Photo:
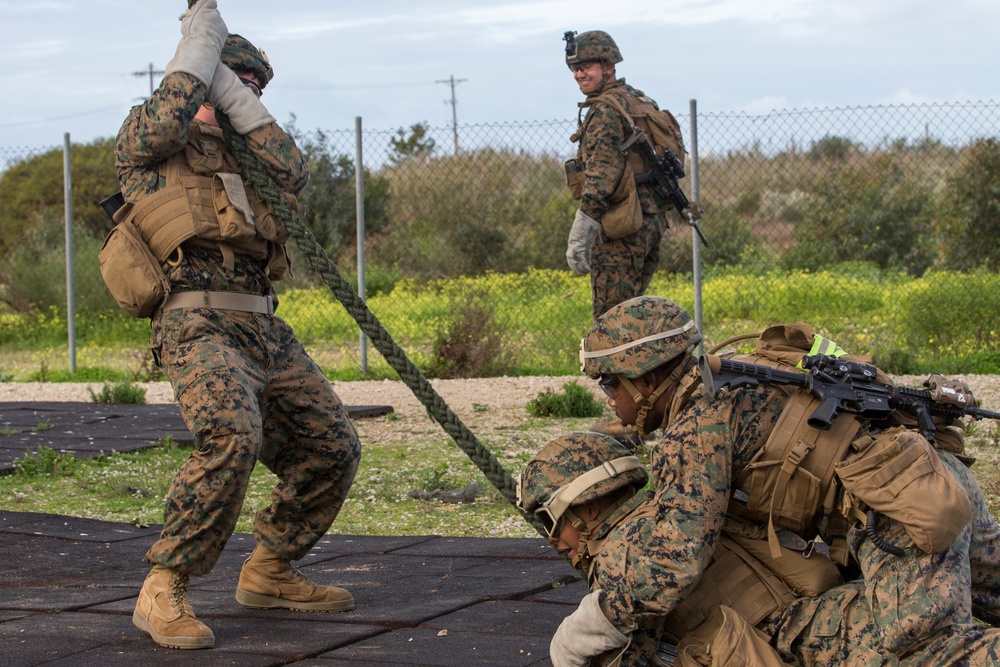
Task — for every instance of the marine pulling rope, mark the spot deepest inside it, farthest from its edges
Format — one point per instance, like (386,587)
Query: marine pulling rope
(408,372)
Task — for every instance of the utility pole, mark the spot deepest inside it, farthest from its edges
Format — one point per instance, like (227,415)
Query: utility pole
(451,80)
(151,72)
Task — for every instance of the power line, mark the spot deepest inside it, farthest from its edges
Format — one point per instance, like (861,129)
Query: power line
(151,72)
(454,114)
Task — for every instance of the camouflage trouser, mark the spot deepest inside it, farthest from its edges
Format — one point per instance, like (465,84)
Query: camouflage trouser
(915,609)
(248,391)
(621,269)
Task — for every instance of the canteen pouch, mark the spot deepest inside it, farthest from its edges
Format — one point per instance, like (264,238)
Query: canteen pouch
(898,473)
(131,272)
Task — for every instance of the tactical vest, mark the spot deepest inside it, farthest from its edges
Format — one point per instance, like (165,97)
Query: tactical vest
(206,203)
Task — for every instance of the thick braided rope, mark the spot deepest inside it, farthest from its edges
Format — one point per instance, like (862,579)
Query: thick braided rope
(320,262)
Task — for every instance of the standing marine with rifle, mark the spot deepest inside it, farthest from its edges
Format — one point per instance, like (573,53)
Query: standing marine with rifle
(776,478)
(196,249)
(625,175)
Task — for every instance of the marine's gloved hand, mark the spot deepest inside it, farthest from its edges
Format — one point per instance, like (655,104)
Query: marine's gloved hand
(585,633)
(233,98)
(581,236)
(203,32)
(693,212)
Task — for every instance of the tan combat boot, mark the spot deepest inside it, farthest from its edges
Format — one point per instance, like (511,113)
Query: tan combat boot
(163,611)
(268,581)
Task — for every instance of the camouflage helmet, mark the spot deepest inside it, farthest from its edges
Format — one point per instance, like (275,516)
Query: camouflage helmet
(637,336)
(239,55)
(590,46)
(574,469)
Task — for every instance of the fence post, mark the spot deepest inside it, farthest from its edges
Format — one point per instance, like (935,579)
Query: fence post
(359,198)
(695,241)
(68,208)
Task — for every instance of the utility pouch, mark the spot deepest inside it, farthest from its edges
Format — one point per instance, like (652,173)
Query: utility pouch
(236,219)
(624,214)
(574,177)
(898,473)
(807,572)
(131,272)
(726,640)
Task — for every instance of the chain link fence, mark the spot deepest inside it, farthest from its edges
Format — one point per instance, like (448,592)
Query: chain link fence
(876,224)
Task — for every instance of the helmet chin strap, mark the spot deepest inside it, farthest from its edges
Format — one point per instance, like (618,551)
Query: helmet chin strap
(582,559)
(644,403)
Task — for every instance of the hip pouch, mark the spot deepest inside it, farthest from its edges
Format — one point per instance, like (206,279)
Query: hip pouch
(898,473)
(131,272)
(624,214)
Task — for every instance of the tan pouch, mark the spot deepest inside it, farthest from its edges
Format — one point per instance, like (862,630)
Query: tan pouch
(808,575)
(624,214)
(236,219)
(131,272)
(898,473)
(726,639)
(574,177)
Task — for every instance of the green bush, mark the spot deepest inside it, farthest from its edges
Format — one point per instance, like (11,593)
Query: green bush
(574,401)
(873,213)
(120,392)
(970,210)
(34,188)
(47,461)
(470,344)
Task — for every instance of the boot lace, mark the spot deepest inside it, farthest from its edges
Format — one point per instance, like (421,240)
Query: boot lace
(178,594)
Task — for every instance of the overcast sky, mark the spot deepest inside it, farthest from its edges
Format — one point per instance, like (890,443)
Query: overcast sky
(67,65)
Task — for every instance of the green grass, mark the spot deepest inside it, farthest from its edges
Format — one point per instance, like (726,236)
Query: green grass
(131,488)
(942,322)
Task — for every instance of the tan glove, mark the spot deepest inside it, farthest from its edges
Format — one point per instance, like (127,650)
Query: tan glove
(581,236)
(585,633)
(203,32)
(233,98)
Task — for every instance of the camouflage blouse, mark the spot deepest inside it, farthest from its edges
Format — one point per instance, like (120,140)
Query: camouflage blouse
(604,132)
(647,566)
(158,128)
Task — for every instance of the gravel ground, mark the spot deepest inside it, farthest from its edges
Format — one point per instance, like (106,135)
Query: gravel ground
(490,407)
(499,394)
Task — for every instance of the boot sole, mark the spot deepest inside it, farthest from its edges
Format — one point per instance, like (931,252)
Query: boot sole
(139,621)
(258,601)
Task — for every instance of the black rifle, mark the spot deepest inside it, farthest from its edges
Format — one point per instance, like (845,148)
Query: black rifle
(841,386)
(664,172)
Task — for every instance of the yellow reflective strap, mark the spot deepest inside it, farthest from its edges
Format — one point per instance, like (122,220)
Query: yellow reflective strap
(823,345)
